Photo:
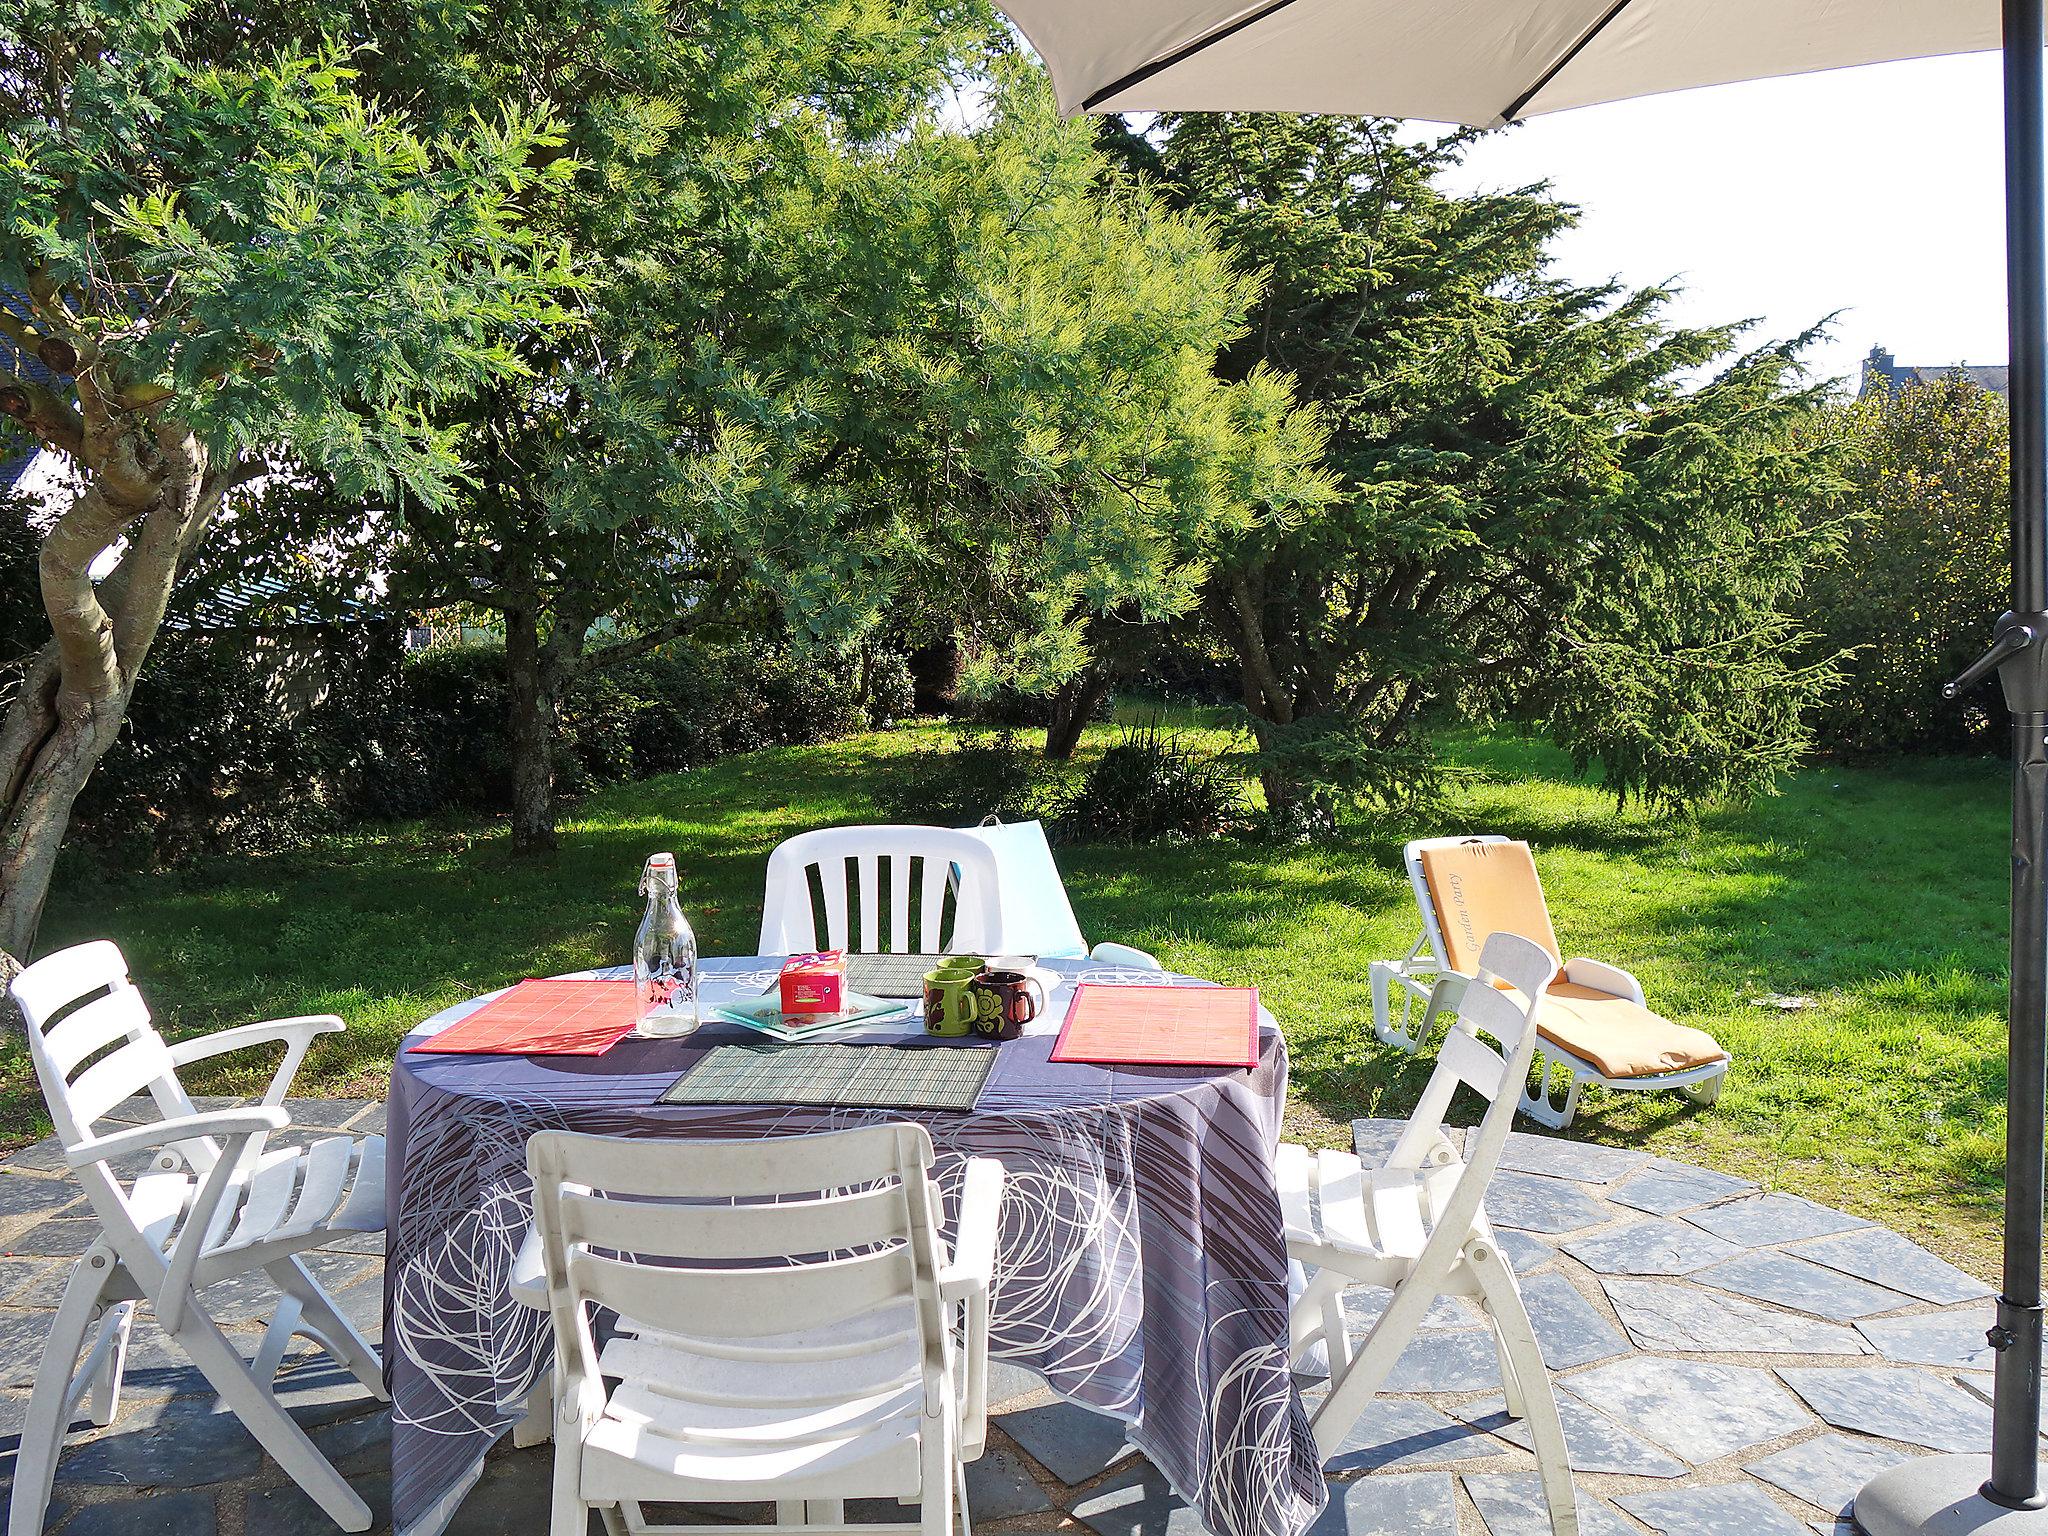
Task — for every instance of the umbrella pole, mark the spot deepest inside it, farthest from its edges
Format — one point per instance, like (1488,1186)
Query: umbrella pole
(1950,1495)
(2015,1445)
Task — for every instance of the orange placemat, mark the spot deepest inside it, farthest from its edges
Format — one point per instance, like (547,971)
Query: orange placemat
(1161,1026)
(544,1018)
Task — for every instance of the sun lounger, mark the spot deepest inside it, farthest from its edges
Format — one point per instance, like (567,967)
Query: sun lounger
(1594,1026)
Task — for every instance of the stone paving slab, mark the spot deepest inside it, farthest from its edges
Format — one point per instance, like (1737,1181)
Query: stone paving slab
(1594,1442)
(1512,1504)
(1660,1315)
(1656,1247)
(1955,1339)
(1695,1409)
(1885,1258)
(1829,1471)
(1665,1188)
(1792,1282)
(1727,1509)
(1676,1392)
(1565,1159)
(1914,1406)
(1755,1220)
(1534,1202)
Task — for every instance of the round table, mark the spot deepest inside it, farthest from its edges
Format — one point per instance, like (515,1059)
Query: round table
(1141,1268)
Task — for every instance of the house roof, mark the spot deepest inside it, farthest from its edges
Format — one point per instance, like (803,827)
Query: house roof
(1880,370)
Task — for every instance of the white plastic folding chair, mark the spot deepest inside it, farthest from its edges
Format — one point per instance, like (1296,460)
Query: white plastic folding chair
(1418,1226)
(213,1203)
(786,1326)
(882,890)
(1037,917)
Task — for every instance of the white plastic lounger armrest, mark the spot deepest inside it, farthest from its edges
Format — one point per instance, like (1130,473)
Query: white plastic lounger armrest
(296,1034)
(1123,954)
(529,1280)
(230,1124)
(1602,977)
(973,1264)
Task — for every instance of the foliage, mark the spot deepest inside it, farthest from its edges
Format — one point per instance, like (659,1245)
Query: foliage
(986,773)
(1912,595)
(1555,506)
(1151,785)
(1886,1098)
(246,743)
(223,249)
(849,362)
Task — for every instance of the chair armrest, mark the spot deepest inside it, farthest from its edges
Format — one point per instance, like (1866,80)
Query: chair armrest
(528,1281)
(232,1124)
(972,1268)
(1602,977)
(296,1034)
(1124,954)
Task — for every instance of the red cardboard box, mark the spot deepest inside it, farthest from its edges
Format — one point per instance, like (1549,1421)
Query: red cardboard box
(814,983)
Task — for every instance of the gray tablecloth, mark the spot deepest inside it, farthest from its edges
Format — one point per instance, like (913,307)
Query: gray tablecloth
(1140,1268)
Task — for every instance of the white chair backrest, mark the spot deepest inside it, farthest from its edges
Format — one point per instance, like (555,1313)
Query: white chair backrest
(1037,917)
(883,889)
(1411,856)
(1495,1072)
(91,1039)
(727,1243)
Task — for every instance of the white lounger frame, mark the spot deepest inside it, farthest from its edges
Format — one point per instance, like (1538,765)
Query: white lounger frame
(1428,986)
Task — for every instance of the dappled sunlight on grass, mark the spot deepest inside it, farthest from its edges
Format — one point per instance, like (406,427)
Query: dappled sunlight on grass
(1877,893)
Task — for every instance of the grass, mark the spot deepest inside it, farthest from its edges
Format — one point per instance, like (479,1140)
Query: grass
(1878,892)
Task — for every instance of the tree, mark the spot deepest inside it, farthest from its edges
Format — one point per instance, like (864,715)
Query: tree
(1911,596)
(225,250)
(1547,512)
(848,364)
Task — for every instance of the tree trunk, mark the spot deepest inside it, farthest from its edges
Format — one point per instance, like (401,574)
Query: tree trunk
(149,481)
(1073,706)
(532,733)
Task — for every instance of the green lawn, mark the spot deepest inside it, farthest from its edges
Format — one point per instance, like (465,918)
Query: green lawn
(1880,893)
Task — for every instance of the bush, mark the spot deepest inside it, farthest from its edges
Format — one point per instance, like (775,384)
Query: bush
(985,774)
(1150,785)
(227,752)
(1913,594)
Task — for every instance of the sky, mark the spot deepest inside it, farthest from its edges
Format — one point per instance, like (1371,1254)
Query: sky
(1876,192)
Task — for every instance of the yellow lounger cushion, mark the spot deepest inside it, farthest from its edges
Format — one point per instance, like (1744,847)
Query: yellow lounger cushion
(1620,1038)
(1480,889)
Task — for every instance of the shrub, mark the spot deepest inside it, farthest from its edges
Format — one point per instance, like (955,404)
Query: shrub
(226,752)
(984,774)
(1151,785)
(1915,589)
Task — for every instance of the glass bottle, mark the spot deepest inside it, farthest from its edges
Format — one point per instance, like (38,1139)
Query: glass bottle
(664,956)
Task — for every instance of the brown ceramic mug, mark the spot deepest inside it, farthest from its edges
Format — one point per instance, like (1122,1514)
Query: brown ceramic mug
(1017,998)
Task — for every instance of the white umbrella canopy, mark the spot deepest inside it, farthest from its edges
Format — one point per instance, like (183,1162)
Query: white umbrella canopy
(1486,62)
(1481,62)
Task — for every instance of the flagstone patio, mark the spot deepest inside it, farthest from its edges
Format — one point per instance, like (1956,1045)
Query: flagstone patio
(1729,1362)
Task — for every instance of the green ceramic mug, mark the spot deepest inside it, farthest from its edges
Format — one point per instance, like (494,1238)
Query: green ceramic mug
(952,1003)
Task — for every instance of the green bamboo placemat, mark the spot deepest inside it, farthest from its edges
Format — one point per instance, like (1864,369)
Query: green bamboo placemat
(871,1076)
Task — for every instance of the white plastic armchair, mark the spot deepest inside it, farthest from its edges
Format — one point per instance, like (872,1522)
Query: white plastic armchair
(213,1203)
(1417,1226)
(787,1318)
(882,889)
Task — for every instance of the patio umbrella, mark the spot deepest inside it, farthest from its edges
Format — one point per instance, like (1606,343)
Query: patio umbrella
(1486,62)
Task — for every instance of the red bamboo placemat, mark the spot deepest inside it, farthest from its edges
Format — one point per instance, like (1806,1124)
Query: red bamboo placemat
(544,1018)
(1161,1026)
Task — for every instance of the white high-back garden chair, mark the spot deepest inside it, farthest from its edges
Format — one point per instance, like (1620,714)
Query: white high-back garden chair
(1037,917)
(884,890)
(1595,1025)
(1418,1227)
(213,1203)
(787,1317)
